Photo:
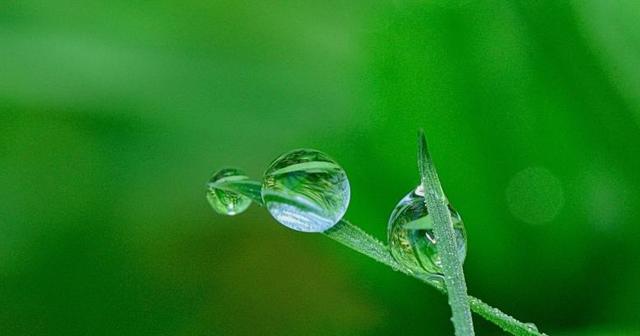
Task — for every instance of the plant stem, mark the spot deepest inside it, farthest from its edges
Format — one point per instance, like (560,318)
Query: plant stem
(446,244)
(355,238)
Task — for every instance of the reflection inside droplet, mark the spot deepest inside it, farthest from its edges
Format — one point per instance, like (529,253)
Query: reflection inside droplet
(306,190)
(222,200)
(411,238)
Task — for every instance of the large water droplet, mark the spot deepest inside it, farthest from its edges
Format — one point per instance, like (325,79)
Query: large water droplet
(411,238)
(222,200)
(306,190)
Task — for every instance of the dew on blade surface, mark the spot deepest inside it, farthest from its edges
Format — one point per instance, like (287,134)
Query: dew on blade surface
(306,190)
(222,200)
(411,238)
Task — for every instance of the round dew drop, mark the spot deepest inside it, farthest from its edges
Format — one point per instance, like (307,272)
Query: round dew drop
(411,238)
(223,200)
(305,190)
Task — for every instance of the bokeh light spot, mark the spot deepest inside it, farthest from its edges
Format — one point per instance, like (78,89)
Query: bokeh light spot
(535,195)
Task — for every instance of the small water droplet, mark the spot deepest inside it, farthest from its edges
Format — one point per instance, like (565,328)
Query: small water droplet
(223,201)
(306,190)
(411,238)
(531,327)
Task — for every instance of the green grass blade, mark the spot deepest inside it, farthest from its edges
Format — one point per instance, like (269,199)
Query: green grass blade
(445,241)
(355,238)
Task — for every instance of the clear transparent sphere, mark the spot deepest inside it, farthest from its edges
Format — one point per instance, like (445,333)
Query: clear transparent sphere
(223,201)
(411,238)
(306,190)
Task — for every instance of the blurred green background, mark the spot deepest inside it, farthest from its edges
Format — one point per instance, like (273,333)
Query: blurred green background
(114,114)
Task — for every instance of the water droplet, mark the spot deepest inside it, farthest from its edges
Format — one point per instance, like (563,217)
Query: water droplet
(222,200)
(531,327)
(306,190)
(411,238)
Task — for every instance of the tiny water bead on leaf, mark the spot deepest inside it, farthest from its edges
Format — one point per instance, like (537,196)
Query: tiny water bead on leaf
(411,238)
(222,199)
(306,190)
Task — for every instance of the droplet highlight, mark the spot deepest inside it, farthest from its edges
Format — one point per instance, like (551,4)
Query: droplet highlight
(531,327)
(411,238)
(223,200)
(306,190)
